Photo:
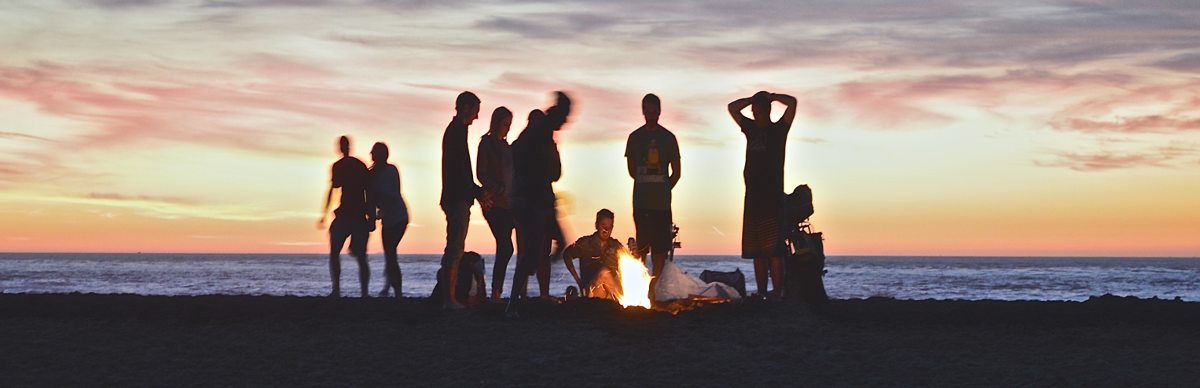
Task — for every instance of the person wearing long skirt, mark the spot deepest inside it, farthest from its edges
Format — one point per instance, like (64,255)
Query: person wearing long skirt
(763,213)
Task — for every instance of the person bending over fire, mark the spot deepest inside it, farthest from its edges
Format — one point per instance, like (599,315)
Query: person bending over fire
(598,260)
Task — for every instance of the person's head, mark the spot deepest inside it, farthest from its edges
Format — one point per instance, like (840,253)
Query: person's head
(651,108)
(344,145)
(467,106)
(379,153)
(536,116)
(604,223)
(501,122)
(760,106)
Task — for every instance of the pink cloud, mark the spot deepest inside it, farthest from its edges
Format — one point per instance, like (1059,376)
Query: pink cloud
(1176,107)
(1138,124)
(1110,160)
(919,102)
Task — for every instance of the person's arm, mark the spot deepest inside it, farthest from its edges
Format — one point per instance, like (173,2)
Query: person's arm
(569,256)
(736,107)
(630,158)
(484,164)
(675,172)
(484,161)
(325,209)
(790,113)
(555,163)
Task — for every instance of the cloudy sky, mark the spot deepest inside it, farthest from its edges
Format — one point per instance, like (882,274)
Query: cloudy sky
(924,128)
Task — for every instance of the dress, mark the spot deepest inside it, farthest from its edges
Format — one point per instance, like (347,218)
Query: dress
(763,214)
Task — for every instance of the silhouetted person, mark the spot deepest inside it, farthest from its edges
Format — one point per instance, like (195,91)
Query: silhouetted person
(763,215)
(353,219)
(536,166)
(553,230)
(649,152)
(458,190)
(599,259)
(494,166)
(392,213)
(550,251)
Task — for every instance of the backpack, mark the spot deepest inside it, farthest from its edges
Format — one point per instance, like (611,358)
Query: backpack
(471,289)
(734,279)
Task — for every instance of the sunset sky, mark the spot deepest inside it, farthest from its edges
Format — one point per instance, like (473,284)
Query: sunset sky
(924,127)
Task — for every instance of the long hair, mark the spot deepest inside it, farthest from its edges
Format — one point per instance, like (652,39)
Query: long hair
(498,115)
(380,151)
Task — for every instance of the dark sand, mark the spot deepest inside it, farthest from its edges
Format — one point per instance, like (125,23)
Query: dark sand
(265,341)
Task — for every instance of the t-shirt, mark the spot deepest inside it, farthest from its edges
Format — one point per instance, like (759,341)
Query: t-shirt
(458,181)
(594,254)
(652,152)
(766,148)
(350,174)
(384,194)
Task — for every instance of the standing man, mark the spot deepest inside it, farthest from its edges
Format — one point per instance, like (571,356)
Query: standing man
(536,166)
(458,191)
(353,218)
(651,149)
(763,215)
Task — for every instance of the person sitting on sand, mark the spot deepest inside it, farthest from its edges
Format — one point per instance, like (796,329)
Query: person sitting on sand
(598,259)
(354,218)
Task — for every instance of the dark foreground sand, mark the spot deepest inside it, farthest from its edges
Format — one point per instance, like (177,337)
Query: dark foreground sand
(264,341)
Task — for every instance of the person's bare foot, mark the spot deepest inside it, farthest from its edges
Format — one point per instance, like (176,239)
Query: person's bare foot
(335,294)
(511,310)
(384,293)
(453,305)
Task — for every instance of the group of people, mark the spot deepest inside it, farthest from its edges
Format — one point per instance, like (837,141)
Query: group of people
(516,193)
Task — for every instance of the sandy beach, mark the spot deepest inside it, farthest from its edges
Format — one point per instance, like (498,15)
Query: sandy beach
(267,341)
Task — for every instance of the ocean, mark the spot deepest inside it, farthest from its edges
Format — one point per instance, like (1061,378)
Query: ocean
(967,278)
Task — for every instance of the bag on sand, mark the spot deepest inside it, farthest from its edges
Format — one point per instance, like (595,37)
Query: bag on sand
(734,279)
(471,288)
(804,270)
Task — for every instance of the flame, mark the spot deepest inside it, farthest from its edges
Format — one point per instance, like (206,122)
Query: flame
(635,281)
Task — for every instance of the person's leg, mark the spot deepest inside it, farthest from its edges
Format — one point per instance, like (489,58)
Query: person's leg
(391,239)
(777,277)
(530,232)
(543,268)
(500,221)
(641,228)
(358,249)
(458,218)
(657,226)
(338,232)
(761,275)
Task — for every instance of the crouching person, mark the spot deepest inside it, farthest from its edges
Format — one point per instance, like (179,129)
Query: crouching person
(598,260)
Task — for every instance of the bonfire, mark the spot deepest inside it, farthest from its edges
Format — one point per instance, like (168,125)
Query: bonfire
(635,281)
